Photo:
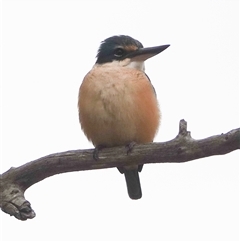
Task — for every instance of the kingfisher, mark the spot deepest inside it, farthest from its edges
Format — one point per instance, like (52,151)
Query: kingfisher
(117,103)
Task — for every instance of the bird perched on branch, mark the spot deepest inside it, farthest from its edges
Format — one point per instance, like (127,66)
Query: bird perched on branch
(117,103)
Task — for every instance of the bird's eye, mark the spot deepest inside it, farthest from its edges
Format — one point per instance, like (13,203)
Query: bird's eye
(118,52)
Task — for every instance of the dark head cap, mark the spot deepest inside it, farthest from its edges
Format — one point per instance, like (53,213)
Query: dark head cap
(116,48)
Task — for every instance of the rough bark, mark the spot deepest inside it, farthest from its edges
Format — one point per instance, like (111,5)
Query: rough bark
(183,148)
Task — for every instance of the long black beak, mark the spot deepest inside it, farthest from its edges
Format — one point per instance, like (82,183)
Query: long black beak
(146,53)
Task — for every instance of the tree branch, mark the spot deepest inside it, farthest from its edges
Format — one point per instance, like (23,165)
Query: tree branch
(183,148)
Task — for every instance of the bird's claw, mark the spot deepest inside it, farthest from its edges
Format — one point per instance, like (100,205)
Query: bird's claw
(130,146)
(96,152)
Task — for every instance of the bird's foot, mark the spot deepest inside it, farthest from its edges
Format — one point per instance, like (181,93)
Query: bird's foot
(130,146)
(96,152)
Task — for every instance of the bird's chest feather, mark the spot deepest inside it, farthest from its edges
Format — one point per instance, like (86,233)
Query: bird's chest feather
(114,91)
(117,102)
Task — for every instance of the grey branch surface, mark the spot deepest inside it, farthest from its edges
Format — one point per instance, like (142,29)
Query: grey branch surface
(183,148)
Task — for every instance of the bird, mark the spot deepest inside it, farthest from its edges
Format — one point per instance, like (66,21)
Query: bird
(117,103)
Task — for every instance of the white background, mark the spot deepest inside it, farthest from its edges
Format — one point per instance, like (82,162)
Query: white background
(49,46)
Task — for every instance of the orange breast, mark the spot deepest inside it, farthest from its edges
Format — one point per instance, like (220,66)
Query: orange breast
(117,105)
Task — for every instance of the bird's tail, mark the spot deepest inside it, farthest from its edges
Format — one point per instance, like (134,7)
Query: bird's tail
(133,183)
